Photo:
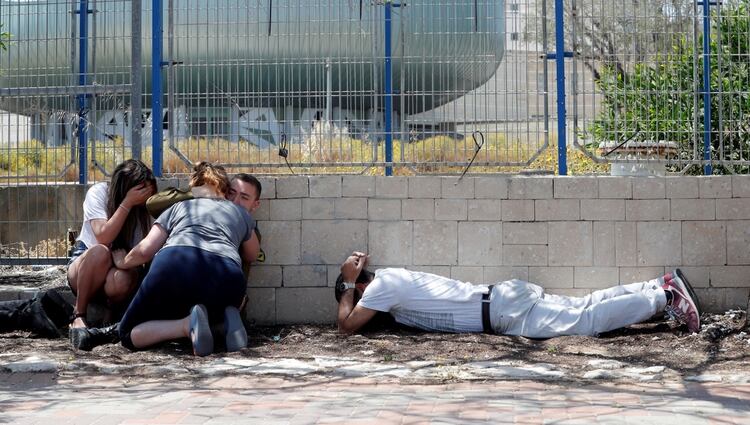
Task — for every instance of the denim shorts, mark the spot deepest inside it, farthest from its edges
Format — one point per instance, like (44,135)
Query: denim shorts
(78,249)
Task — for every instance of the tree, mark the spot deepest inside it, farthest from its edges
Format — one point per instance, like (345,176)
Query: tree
(662,99)
(613,34)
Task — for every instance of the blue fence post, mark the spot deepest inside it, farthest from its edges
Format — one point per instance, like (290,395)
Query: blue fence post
(388,91)
(157,127)
(82,99)
(562,148)
(707,168)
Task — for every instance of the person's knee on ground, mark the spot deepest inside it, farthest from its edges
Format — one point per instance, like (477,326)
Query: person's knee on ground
(86,276)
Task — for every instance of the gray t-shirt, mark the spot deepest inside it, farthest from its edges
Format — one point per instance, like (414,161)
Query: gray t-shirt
(214,225)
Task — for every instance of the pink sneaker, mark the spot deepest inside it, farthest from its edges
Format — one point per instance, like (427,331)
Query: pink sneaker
(683,307)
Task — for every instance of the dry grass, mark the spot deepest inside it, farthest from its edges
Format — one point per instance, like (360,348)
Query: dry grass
(319,154)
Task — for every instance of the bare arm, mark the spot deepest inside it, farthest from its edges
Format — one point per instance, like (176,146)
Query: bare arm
(250,248)
(144,251)
(106,231)
(350,317)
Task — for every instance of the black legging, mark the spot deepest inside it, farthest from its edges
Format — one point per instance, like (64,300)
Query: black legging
(179,278)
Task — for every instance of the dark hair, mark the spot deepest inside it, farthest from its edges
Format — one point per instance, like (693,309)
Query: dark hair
(365,276)
(205,173)
(128,174)
(250,179)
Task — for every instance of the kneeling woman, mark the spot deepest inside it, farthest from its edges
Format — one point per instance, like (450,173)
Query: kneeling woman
(196,273)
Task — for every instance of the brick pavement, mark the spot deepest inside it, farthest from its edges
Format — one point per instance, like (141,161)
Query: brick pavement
(46,399)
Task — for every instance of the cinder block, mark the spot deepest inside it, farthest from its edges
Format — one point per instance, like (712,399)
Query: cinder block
(262,276)
(390,242)
(451,209)
(571,243)
(453,188)
(501,274)
(292,187)
(530,188)
(596,277)
(649,188)
(305,305)
(261,306)
(281,242)
(552,277)
(733,209)
(741,186)
(639,274)
(267,187)
(730,276)
(557,209)
(682,187)
(615,187)
(384,209)
(418,209)
(485,210)
(286,209)
(658,243)
(335,270)
(330,241)
(603,209)
(494,187)
(693,209)
(719,300)
(604,243)
(425,187)
(576,187)
(358,186)
(738,241)
(647,210)
(525,233)
(518,210)
(325,186)
(391,187)
(435,243)
(697,276)
(625,244)
(525,255)
(350,208)
(313,275)
(479,244)
(704,243)
(473,275)
(715,186)
(263,212)
(318,208)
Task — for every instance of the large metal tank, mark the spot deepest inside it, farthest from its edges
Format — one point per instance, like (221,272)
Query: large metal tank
(264,53)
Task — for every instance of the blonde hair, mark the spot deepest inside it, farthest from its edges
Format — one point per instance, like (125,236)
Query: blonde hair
(205,173)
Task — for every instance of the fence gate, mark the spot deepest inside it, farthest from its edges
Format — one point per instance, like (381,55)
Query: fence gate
(66,117)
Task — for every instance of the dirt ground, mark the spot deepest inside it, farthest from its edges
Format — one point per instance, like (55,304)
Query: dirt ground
(722,346)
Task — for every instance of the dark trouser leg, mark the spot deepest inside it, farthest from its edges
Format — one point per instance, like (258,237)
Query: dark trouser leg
(27,315)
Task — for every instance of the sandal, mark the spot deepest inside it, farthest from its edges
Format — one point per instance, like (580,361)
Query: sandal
(200,331)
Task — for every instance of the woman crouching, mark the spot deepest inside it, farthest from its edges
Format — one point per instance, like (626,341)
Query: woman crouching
(197,248)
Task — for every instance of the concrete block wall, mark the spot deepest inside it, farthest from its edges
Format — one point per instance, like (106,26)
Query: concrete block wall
(571,235)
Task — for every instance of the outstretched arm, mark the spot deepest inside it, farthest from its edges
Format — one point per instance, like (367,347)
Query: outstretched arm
(144,251)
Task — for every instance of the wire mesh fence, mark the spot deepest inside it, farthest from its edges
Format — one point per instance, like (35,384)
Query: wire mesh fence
(345,86)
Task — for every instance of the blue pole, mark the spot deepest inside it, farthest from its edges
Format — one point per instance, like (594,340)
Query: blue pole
(157,127)
(562,153)
(388,91)
(707,168)
(81,103)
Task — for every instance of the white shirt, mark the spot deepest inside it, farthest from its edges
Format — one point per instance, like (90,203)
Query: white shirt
(426,301)
(94,207)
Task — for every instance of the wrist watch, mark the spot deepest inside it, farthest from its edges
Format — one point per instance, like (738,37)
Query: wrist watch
(343,286)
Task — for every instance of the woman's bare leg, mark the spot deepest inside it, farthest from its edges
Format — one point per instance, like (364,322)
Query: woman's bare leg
(153,332)
(87,276)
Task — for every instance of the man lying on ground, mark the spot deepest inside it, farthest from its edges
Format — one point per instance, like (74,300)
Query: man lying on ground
(514,307)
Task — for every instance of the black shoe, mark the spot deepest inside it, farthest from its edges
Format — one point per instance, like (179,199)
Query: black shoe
(86,339)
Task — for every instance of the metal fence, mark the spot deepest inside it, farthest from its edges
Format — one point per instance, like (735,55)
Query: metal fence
(378,86)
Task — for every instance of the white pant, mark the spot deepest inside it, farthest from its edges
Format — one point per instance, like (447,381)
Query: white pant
(522,308)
